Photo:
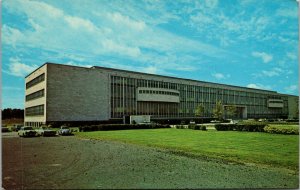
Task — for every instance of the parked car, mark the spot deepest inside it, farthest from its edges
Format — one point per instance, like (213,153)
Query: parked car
(64,130)
(45,132)
(16,127)
(5,129)
(27,131)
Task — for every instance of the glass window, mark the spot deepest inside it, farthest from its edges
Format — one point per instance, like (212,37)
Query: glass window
(35,81)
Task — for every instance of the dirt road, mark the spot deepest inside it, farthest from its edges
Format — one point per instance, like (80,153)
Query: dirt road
(72,163)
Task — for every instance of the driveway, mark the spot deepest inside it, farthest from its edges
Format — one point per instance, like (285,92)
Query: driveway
(73,163)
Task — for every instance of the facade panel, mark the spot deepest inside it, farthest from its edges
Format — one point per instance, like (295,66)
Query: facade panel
(77,94)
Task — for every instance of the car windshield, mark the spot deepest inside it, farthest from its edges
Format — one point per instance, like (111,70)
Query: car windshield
(28,128)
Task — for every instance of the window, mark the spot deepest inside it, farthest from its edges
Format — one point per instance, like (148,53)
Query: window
(35,110)
(35,95)
(35,81)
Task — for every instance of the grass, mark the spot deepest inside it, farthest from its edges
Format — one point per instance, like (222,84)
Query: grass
(284,126)
(243,147)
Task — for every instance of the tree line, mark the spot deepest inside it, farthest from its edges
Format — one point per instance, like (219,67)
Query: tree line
(9,113)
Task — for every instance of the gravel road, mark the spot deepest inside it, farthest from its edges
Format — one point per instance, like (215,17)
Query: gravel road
(73,163)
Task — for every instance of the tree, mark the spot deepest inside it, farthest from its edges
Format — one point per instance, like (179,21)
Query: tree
(9,113)
(199,111)
(218,111)
(231,111)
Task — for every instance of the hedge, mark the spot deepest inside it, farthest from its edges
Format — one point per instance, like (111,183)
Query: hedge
(195,127)
(108,127)
(280,130)
(250,127)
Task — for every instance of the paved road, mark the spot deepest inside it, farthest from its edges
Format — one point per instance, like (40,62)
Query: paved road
(72,163)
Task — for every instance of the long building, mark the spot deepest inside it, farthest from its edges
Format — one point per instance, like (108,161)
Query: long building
(64,93)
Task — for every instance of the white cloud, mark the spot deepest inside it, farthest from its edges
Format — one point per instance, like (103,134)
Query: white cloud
(291,55)
(220,76)
(211,3)
(19,69)
(79,23)
(77,64)
(273,72)
(285,12)
(11,35)
(259,86)
(291,88)
(117,18)
(150,69)
(264,56)
(109,33)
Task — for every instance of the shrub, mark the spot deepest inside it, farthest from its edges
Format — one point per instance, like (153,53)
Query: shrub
(247,126)
(191,126)
(197,127)
(221,127)
(180,127)
(203,128)
(282,130)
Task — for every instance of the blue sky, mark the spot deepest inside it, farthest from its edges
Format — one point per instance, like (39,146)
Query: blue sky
(250,43)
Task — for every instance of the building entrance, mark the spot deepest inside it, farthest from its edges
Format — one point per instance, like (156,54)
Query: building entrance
(239,112)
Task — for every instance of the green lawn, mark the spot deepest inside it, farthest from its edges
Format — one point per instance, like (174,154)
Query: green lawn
(284,126)
(243,147)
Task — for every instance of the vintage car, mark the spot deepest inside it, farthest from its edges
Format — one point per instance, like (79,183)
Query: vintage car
(45,132)
(64,130)
(4,129)
(27,132)
(16,127)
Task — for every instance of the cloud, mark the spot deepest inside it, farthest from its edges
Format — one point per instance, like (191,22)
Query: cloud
(120,19)
(291,55)
(273,72)
(211,3)
(291,88)
(108,33)
(77,64)
(220,76)
(259,86)
(285,12)
(150,69)
(266,58)
(19,69)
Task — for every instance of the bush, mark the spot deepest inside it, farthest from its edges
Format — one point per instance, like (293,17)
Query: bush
(282,130)
(108,127)
(180,127)
(196,127)
(191,126)
(247,126)
(203,128)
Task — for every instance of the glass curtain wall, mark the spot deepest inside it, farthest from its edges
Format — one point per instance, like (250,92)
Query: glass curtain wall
(124,100)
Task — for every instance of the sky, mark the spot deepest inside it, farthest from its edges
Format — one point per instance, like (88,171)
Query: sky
(248,43)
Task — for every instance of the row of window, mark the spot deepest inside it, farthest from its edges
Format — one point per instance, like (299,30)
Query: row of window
(35,95)
(34,110)
(35,81)
(123,101)
(275,101)
(158,92)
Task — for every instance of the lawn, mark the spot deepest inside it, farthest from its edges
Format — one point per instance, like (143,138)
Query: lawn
(244,147)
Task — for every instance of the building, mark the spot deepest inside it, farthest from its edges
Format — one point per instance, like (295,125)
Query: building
(63,93)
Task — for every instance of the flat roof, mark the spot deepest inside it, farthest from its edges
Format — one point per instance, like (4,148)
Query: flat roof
(136,72)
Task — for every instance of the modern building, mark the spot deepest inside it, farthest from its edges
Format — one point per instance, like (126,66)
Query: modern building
(63,93)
